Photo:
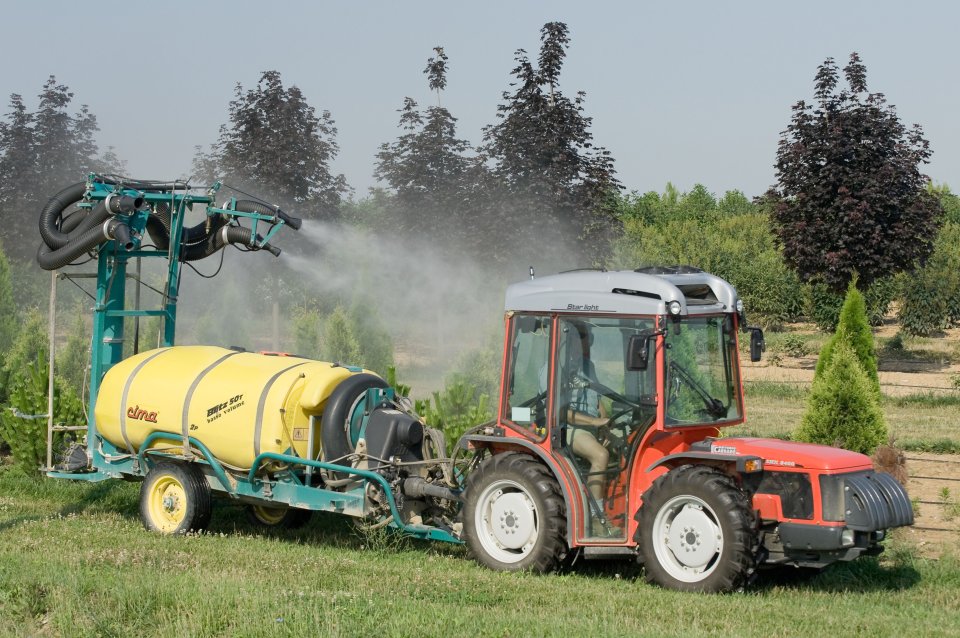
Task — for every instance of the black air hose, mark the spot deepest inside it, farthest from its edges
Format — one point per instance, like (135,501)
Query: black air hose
(142,185)
(158,227)
(52,214)
(217,240)
(249,206)
(50,259)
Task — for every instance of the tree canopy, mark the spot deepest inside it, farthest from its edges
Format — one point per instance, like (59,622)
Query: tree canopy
(276,140)
(428,167)
(850,195)
(41,152)
(555,180)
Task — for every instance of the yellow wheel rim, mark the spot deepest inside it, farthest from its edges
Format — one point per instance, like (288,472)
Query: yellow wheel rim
(269,515)
(168,504)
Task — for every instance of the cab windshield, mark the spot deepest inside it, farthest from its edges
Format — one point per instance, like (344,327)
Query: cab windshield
(702,372)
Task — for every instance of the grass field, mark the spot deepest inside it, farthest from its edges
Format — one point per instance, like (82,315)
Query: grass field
(75,561)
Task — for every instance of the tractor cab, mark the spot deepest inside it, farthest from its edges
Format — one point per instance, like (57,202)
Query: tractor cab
(600,364)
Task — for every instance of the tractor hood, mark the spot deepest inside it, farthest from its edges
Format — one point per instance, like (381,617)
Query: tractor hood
(787,454)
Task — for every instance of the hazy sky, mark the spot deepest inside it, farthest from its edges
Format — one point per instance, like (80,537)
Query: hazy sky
(682,91)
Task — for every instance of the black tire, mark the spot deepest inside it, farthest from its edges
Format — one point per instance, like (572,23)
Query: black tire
(273,517)
(175,499)
(531,538)
(335,428)
(718,539)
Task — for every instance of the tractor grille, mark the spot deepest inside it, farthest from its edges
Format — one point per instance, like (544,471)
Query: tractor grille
(867,501)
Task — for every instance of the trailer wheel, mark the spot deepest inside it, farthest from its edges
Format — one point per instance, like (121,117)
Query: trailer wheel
(514,516)
(287,517)
(175,499)
(335,429)
(697,531)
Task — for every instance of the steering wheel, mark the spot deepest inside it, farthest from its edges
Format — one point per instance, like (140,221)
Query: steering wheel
(536,399)
(603,390)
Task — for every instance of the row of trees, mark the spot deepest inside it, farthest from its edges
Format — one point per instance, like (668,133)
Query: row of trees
(850,202)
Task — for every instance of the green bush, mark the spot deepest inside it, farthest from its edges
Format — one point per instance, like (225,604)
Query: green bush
(306,332)
(924,309)
(843,408)
(8,310)
(792,345)
(376,345)
(931,296)
(738,248)
(339,340)
(854,330)
(22,422)
(72,360)
(822,306)
(29,346)
(456,409)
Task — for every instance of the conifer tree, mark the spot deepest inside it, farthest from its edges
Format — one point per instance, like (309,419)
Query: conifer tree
(853,329)
(843,409)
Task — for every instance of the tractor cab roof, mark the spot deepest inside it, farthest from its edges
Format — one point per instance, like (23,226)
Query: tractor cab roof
(645,291)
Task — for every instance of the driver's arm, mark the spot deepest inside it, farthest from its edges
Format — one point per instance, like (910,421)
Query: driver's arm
(581,419)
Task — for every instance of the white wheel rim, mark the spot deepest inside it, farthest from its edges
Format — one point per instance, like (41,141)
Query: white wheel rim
(687,539)
(507,521)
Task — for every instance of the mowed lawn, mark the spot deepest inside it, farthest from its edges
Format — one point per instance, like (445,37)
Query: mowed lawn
(75,561)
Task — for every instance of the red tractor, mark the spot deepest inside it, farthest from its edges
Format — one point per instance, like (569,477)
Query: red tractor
(607,443)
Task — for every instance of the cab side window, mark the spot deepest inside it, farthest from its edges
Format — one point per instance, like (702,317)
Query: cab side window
(526,403)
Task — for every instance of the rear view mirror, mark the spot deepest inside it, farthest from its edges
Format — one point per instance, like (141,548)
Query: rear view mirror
(757,343)
(638,350)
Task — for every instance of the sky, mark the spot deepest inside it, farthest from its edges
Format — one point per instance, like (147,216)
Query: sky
(682,92)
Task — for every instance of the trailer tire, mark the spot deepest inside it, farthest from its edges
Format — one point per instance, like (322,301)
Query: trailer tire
(514,515)
(272,517)
(697,531)
(335,428)
(175,499)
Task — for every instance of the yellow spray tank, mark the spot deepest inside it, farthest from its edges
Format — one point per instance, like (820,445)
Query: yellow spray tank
(238,404)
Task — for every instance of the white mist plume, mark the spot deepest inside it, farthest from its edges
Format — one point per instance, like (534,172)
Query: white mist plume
(435,305)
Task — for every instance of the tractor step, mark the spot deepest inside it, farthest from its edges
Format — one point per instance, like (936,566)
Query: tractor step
(602,553)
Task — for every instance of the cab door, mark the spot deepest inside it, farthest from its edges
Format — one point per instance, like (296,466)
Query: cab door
(601,409)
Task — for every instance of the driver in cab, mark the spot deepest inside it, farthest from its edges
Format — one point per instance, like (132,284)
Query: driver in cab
(587,413)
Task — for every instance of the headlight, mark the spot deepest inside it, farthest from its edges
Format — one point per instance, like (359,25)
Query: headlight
(739,306)
(846,537)
(674,308)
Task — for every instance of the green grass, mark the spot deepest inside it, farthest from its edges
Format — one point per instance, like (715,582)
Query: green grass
(75,561)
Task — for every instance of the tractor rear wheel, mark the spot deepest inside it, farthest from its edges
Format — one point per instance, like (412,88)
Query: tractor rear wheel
(514,515)
(288,517)
(697,531)
(175,499)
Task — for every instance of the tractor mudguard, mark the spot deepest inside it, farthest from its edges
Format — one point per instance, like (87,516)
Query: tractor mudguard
(739,460)
(500,441)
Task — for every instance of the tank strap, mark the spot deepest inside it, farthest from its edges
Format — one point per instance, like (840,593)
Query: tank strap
(126,392)
(263,402)
(185,420)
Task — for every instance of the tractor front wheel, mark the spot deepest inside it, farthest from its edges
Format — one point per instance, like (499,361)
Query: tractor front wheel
(175,499)
(514,516)
(697,531)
